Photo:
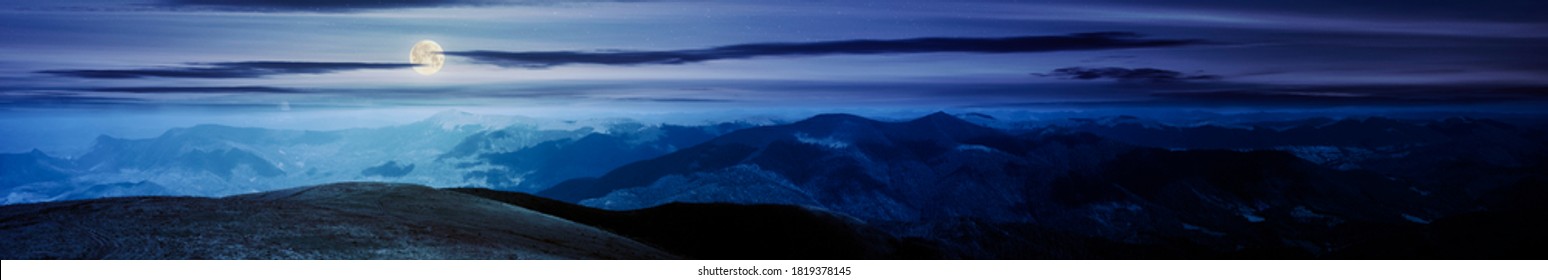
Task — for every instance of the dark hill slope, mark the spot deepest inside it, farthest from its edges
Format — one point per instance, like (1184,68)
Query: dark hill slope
(334,221)
(732,231)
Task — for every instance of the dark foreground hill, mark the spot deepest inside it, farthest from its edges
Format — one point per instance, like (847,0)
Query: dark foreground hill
(733,231)
(335,221)
(403,221)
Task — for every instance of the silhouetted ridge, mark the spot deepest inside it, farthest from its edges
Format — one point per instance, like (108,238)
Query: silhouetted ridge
(388,169)
(31,167)
(732,231)
(696,158)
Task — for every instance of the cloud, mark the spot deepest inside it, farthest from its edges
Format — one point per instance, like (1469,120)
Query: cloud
(318,5)
(673,100)
(354,5)
(227,70)
(1024,44)
(60,99)
(1149,75)
(1490,10)
(232,89)
(1362,95)
(1496,97)
(1292,99)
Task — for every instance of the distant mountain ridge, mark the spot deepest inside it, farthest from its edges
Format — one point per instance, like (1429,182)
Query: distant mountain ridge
(937,186)
(930,177)
(450,149)
(535,161)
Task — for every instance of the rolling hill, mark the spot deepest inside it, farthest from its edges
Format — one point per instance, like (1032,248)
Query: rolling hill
(334,221)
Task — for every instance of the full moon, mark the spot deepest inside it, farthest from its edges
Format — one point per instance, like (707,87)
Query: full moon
(427,54)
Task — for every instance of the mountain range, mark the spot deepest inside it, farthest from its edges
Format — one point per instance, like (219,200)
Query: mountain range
(940,178)
(448,149)
(938,186)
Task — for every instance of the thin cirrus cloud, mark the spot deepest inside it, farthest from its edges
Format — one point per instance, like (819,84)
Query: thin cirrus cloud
(1360,95)
(541,60)
(62,100)
(230,89)
(1023,44)
(316,5)
(352,5)
(1148,75)
(1268,99)
(1477,10)
(674,100)
(227,70)
(1311,97)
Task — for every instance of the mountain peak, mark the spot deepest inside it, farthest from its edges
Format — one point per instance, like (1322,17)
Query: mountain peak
(833,118)
(938,116)
(943,119)
(104,139)
(946,125)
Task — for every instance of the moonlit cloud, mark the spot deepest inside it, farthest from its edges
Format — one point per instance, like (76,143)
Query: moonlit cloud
(227,70)
(347,5)
(1023,44)
(760,54)
(1149,75)
(230,89)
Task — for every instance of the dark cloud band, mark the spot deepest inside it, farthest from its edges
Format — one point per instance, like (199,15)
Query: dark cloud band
(1368,95)
(1025,44)
(674,100)
(345,6)
(1149,75)
(233,89)
(316,5)
(227,70)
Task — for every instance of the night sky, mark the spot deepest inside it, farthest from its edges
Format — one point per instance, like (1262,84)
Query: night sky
(135,67)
